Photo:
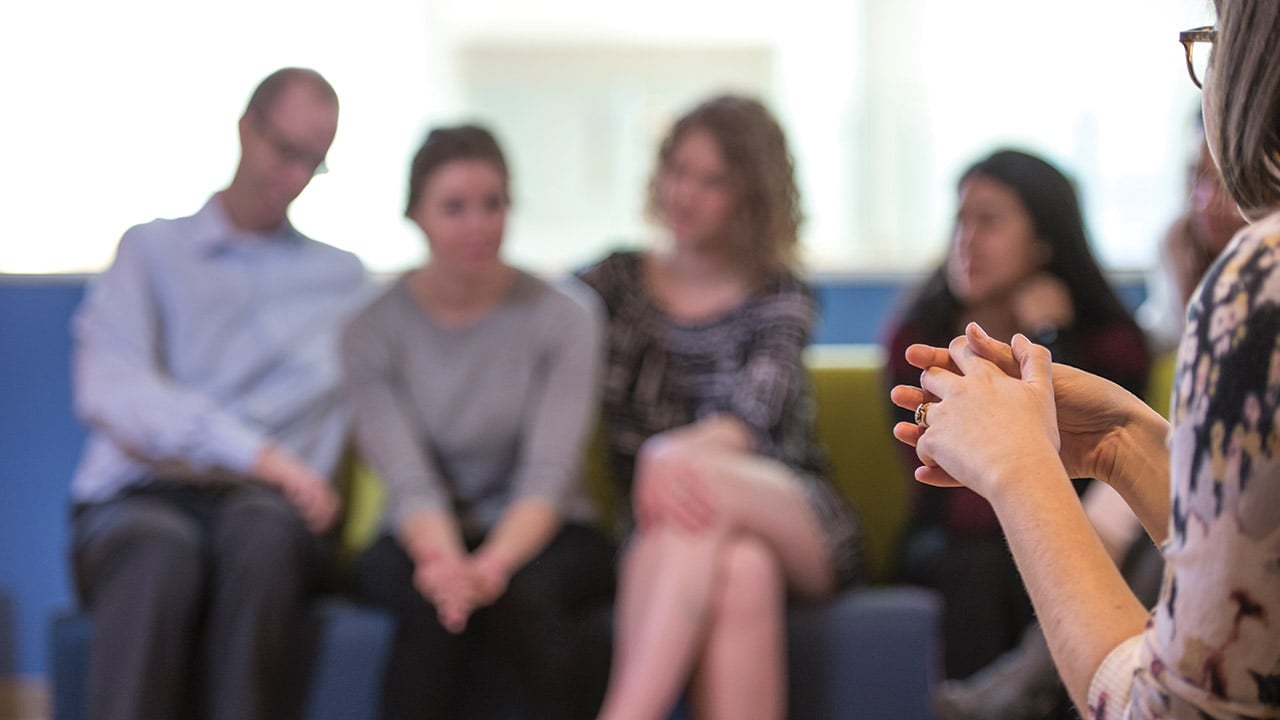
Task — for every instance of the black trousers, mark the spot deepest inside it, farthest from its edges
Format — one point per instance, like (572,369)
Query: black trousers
(196,595)
(542,648)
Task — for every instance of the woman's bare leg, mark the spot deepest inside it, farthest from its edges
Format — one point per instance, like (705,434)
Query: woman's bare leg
(672,576)
(742,670)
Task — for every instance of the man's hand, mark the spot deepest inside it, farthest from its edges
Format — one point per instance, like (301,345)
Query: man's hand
(307,490)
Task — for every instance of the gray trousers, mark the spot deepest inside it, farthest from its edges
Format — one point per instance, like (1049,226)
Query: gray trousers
(196,593)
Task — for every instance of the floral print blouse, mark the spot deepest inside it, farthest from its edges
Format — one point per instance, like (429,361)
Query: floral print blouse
(1211,648)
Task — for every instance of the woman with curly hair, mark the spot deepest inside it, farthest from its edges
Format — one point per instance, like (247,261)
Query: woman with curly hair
(709,420)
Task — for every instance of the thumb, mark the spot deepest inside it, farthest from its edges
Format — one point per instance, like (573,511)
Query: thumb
(1035,361)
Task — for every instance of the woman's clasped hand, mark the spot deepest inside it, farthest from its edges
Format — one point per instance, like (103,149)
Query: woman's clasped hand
(973,380)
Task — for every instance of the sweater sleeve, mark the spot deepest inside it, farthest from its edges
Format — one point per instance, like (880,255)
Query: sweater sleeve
(558,419)
(384,419)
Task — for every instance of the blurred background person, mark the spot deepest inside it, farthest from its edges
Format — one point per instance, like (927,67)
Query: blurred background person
(709,420)
(1195,239)
(206,368)
(475,389)
(1019,262)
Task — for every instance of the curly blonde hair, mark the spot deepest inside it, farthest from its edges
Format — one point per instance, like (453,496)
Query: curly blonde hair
(766,220)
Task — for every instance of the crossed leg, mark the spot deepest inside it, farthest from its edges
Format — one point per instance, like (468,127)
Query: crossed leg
(708,605)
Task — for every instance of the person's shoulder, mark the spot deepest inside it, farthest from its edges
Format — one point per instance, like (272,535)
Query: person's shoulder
(162,231)
(616,278)
(331,255)
(566,297)
(786,287)
(385,305)
(618,265)
(790,282)
(1253,254)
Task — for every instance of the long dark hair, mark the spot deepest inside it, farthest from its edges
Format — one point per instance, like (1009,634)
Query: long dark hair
(1049,197)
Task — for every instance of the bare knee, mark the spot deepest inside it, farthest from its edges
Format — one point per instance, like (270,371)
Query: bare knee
(751,582)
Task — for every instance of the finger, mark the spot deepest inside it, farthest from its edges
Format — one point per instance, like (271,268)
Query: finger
(938,383)
(924,454)
(1035,361)
(423,583)
(909,397)
(935,476)
(992,350)
(646,515)
(927,356)
(452,619)
(694,511)
(908,433)
(962,355)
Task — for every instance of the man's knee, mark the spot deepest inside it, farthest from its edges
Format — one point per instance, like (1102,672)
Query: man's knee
(143,547)
(259,530)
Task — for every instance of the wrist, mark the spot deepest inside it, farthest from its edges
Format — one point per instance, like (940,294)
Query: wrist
(426,539)
(1029,472)
(492,563)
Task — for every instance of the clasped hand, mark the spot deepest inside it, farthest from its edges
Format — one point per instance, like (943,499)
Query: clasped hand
(670,483)
(458,584)
(308,491)
(992,416)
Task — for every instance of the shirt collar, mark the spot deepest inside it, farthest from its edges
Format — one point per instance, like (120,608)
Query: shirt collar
(213,232)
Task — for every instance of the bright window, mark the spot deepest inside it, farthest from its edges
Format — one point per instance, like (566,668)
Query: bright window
(122,111)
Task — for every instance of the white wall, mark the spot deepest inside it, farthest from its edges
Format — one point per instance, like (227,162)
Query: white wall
(117,112)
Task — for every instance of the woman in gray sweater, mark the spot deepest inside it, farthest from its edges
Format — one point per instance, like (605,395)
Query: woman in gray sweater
(474,387)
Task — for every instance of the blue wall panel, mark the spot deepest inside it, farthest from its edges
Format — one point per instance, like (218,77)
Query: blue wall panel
(39,444)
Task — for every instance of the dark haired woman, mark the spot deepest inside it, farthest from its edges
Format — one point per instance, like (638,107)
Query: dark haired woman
(1019,262)
(474,385)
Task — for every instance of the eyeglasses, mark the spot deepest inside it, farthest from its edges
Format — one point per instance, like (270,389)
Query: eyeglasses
(1198,43)
(288,151)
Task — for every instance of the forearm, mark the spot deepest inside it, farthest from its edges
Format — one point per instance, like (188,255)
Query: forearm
(157,420)
(430,533)
(1081,601)
(1139,471)
(523,531)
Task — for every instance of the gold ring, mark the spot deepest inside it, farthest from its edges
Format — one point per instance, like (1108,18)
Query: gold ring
(922,412)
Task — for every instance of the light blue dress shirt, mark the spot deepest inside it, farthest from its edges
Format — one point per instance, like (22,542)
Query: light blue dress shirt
(202,343)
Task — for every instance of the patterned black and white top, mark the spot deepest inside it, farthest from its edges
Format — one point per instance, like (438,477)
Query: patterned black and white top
(748,362)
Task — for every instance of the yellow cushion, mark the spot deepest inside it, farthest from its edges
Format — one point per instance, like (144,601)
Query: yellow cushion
(855,426)
(1160,382)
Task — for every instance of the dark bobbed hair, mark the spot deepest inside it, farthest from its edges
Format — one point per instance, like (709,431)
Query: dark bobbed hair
(767,216)
(1244,88)
(1050,198)
(444,145)
(264,96)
